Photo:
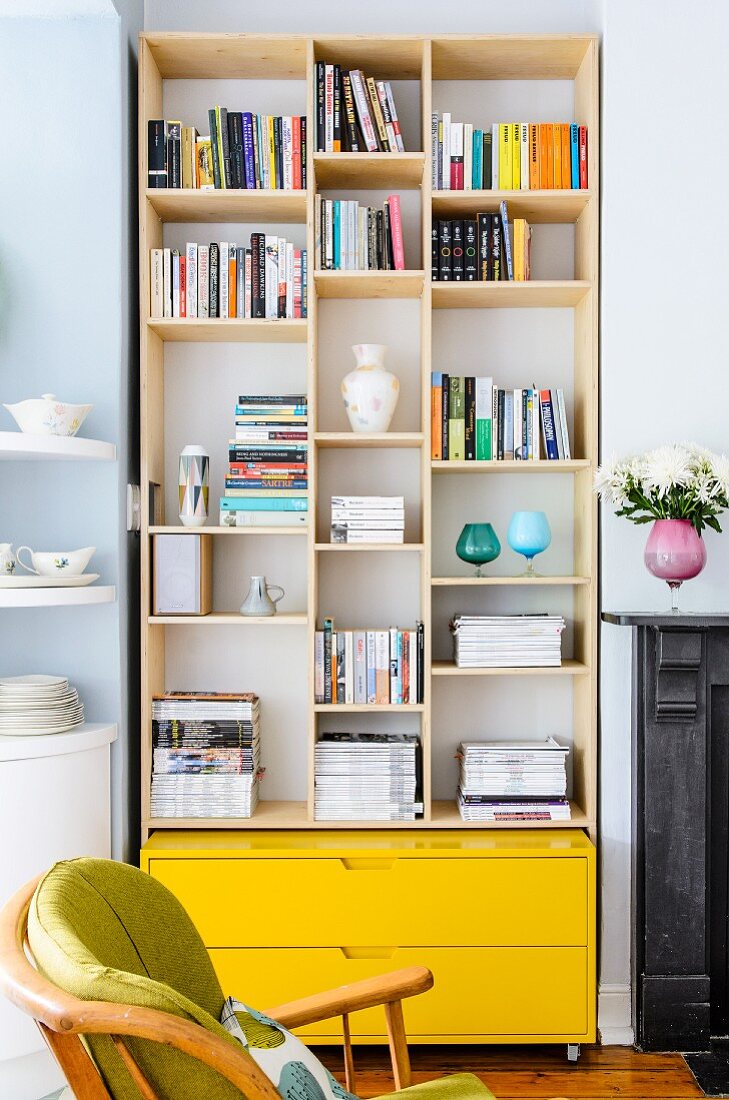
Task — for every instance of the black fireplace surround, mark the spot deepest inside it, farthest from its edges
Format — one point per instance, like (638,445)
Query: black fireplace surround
(680,818)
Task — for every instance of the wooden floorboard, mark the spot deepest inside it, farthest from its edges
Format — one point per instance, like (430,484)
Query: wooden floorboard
(514,1073)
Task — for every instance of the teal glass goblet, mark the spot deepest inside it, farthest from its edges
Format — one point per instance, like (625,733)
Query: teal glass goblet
(477,544)
(529,534)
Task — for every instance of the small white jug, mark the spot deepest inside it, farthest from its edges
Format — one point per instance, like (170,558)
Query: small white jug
(259,601)
(7,559)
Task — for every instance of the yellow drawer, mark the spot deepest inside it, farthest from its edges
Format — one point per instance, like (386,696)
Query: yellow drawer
(540,994)
(327,902)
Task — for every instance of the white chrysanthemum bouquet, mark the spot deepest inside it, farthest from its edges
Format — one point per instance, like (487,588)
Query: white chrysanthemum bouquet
(680,481)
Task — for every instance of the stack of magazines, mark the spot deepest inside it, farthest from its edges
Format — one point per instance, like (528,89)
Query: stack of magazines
(206,754)
(513,781)
(507,641)
(367,777)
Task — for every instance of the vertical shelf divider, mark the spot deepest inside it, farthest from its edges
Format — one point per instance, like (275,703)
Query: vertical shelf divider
(312,374)
(426,320)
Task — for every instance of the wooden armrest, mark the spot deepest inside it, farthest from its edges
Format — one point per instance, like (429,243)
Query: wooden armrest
(382,990)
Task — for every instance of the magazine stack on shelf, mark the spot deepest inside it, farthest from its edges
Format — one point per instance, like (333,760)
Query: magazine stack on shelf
(206,754)
(507,641)
(368,519)
(367,777)
(513,781)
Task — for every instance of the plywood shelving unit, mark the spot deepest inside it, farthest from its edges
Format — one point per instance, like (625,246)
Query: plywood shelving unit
(427,61)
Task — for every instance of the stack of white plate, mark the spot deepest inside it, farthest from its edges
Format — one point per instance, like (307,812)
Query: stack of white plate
(38,705)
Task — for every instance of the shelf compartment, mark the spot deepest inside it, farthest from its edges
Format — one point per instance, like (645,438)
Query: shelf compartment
(179,530)
(568,667)
(360,171)
(377,547)
(368,708)
(57,597)
(386,57)
(228,56)
(187,204)
(509,57)
(369,439)
(230,618)
(215,330)
(509,466)
(550,207)
(533,294)
(528,582)
(21,445)
(369,284)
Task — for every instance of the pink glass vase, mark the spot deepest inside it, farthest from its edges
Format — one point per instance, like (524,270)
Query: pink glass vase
(675,552)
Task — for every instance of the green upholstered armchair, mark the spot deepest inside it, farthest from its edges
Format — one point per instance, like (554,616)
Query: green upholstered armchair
(110,966)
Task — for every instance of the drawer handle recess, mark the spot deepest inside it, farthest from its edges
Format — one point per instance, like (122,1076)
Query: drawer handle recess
(368,864)
(368,952)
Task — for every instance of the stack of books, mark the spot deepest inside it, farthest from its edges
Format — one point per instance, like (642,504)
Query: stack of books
(473,420)
(354,112)
(368,519)
(507,641)
(481,249)
(267,480)
(367,777)
(507,156)
(369,666)
(222,279)
(350,237)
(513,781)
(206,754)
(242,150)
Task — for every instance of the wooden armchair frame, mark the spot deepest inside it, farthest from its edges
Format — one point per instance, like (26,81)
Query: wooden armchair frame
(63,1019)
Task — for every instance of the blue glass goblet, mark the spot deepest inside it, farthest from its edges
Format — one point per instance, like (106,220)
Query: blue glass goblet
(477,544)
(529,534)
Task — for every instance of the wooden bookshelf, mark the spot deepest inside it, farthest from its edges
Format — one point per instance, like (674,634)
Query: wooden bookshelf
(426,60)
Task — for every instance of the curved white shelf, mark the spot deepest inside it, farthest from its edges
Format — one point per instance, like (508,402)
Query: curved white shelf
(19,445)
(91,735)
(56,597)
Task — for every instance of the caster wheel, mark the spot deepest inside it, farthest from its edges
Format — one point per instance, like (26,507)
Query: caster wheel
(573,1052)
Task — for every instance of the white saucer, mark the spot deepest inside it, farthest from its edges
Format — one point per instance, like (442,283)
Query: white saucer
(78,580)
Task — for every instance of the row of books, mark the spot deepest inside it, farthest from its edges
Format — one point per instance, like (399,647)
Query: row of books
(354,112)
(221,279)
(205,754)
(367,777)
(242,150)
(513,781)
(507,156)
(473,420)
(481,249)
(368,519)
(268,458)
(369,666)
(507,641)
(350,237)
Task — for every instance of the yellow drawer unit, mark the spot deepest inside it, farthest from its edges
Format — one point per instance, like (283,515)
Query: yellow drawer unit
(505,920)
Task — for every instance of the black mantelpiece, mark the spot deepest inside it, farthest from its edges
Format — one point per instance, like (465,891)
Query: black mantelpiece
(680,845)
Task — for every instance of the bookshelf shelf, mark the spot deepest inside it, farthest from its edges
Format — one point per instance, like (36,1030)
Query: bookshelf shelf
(355,171)
(550,207)
(230,618)
(369,439)
(371,547)
(369,284)
(540,466)
(508,582)
(217,330)
(567,668)
(536,294)
(189,205)
(215,530)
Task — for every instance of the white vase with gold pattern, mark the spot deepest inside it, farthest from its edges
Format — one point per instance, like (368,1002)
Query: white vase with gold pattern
(370,392)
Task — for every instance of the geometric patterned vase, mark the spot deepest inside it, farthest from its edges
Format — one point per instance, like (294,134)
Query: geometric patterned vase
(193,486)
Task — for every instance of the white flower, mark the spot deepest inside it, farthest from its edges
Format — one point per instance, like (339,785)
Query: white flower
(666,468)
(720,464)
(611,482)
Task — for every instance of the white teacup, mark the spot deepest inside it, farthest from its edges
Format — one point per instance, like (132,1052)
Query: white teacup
(55,563)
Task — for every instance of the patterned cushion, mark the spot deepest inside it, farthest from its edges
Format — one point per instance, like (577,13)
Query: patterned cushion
(289,1065)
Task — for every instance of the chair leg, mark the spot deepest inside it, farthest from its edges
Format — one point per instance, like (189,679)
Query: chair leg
(348,1055)
(398,1043)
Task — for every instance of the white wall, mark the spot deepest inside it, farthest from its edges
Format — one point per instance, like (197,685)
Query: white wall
(663,347)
